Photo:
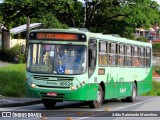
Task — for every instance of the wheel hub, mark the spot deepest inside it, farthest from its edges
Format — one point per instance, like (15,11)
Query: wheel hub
(99,96)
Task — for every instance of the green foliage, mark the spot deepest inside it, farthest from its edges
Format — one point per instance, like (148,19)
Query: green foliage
(155,89)
(1,19)
(10,54)
(17,11)
(121,17)
(156,69)
(142,39)
(156,49)
(12,80)
(104,16)
(70,12)
(50,21)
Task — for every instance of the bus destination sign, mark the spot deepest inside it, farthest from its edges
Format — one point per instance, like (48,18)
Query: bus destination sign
(57,36)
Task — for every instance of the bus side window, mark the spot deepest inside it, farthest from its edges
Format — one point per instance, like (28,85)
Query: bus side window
(148,57)
(135,60)
(103,53)
(121,55)
(128,55)
(142,57)
(110,60)
(113,54)
(92,56)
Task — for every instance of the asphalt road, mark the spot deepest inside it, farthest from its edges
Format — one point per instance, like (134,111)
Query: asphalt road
(145,107)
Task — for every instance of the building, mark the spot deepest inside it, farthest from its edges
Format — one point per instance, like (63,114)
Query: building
(153,34)
(21,30)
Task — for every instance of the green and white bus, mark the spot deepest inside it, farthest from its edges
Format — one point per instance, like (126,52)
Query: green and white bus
(75,65)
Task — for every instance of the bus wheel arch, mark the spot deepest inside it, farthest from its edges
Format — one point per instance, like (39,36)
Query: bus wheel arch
(100,97)
(132,98)
(136,87)
(103,88)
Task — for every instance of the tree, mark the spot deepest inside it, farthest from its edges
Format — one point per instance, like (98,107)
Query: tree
(120,17)
(142,39)
(16,9)
(70,12)
(50,21)
(156,49)
(105,16)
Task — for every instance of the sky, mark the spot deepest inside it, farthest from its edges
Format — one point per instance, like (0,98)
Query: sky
(158,1)
(1,1)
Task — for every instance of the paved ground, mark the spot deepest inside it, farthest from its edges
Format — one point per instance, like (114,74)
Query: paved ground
(15,102)
(2,63)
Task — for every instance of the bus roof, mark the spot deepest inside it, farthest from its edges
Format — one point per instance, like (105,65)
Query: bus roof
(119,39)
(99,36)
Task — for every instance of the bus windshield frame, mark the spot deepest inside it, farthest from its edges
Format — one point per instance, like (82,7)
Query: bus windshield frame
(58,59)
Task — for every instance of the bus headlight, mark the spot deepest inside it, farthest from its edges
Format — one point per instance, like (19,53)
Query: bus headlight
(73,88)
(33,85)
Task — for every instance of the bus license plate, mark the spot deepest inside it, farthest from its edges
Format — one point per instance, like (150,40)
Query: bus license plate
(51,94)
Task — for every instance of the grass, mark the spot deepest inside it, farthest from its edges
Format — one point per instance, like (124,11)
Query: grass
(12,80)
(155,89)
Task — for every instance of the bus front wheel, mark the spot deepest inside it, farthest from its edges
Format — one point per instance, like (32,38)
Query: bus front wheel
(97,103)
(48,103)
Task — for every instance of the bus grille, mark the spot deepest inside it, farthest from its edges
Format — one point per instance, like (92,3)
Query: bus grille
(59,96)
(52,78)
(53,86)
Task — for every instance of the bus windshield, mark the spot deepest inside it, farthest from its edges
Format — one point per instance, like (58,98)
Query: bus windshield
(57,59)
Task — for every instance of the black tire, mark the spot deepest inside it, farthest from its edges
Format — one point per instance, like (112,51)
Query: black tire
(123,100)
(132,98)
(48,103)
(97,103)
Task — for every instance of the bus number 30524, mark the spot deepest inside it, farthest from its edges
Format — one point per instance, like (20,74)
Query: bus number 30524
(63,83)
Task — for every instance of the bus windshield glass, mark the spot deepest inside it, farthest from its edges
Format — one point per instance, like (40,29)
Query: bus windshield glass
(57,59)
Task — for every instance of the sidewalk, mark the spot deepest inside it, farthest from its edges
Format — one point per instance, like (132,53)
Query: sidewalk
(16,102)
(3,63)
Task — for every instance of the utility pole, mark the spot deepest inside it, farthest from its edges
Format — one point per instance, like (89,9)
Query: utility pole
(27,35)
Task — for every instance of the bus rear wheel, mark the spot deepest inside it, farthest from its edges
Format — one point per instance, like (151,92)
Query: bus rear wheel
(97,103)
(48,103)
(132,98)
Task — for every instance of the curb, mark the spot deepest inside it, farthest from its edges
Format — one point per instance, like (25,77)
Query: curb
(18,104)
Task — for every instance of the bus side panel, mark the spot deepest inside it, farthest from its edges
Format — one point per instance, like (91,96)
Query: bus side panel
(91,93)
(125,89)
(148,82)
(145,85)
(109,90)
